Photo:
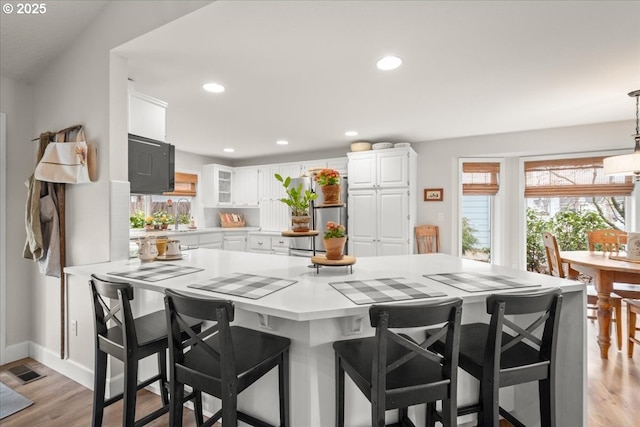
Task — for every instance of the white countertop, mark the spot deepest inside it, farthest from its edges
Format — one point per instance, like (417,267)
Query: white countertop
(311,297)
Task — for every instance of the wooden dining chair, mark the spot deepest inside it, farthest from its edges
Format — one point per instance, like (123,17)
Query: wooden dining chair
(609,240)
(633,309)
(427,239)
(394,371)
(556,268)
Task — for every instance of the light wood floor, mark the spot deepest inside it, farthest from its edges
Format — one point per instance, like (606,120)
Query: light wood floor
(613,394)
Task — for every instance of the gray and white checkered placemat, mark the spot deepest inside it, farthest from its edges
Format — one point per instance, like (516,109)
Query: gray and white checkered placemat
(384,290)
(243,285)
(156,272)
(479,282)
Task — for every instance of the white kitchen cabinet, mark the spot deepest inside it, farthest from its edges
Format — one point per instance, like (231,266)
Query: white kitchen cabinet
(266,244)
(386,229)
(234,241)
(380,168)
(147,116)
(245,187)
(210,240)
(382,202)
(275,215)
(217,185)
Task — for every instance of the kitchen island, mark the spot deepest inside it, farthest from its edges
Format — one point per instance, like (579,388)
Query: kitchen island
(313,314)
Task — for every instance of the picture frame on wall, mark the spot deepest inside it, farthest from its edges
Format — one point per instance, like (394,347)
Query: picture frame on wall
(433,194)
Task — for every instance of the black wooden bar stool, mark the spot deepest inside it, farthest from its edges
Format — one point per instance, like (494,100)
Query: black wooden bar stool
(222,360)
(505,353)
(393,371)
(129,340)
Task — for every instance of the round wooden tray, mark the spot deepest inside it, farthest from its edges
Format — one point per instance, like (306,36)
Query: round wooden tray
(289,233)
(322,260)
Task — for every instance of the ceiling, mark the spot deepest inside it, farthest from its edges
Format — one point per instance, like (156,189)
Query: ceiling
(304,71)
(29,42)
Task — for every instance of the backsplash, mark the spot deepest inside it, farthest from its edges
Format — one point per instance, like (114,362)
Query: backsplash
(212,219)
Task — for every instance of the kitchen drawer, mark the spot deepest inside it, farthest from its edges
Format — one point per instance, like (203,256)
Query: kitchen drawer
(187,241)
(259,242)
(210,238)
(280,242)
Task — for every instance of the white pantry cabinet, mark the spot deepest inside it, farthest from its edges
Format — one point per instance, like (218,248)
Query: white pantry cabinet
(382,202)
(379,168)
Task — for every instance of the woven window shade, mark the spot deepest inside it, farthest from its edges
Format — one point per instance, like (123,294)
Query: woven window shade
(582,177)
(480,178)
(185,185)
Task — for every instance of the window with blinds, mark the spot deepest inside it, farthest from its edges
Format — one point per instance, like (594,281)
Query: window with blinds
(185,185)
(480,178)
(582,177)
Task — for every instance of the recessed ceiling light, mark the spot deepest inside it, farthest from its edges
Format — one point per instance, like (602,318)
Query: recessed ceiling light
(282,142)
(228,150)
(389,63)
(351,133)
(213,87)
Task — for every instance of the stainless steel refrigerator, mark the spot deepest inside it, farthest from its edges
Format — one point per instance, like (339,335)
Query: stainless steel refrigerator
(320,215)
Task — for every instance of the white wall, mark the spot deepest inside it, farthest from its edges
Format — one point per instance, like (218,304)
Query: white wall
(15,102)
(438,168)
(75,88)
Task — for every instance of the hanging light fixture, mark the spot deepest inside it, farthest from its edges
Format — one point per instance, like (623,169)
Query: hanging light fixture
(627,164)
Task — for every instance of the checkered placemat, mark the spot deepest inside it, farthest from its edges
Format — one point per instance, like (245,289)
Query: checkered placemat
(156,272)
(479,282)
(243,285)
(384,290)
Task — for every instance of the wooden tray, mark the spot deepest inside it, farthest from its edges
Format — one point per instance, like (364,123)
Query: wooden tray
(624,258)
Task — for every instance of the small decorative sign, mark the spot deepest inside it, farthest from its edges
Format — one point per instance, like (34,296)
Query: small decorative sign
(433,194)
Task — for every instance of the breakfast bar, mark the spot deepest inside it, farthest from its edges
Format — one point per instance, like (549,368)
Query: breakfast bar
(315,307)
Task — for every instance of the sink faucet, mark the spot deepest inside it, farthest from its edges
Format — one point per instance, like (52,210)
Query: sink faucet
(175,214)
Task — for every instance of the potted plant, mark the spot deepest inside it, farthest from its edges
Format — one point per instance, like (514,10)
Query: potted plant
(329,182)
(334,240)
(298,200)
(148,223)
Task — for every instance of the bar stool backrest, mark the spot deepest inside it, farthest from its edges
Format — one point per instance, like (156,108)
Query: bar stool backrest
(180,305)
(546,303)
(387,317)
(119,314)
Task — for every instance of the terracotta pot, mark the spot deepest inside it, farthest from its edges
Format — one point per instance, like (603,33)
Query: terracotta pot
(164,226)
(331,194)
(300,223)
(334,247)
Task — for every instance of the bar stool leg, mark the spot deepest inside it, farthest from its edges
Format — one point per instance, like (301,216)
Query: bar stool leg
(547,403)
(130,390)
(197,406)
(631,330)
(162,370)
(175,405)
(339,393)
(99,384)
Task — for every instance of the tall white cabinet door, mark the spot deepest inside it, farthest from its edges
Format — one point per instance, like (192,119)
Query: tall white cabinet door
(393,221)
(362,229)
(245,187)
(393,169)
(362,171)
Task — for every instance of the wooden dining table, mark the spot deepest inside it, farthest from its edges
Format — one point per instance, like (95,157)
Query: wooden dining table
(605,269)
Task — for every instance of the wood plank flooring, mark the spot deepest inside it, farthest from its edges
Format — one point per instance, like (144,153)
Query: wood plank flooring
(613,394)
